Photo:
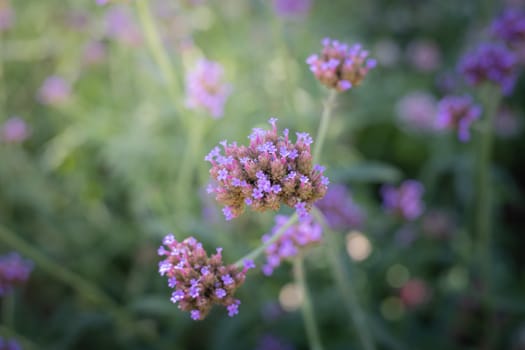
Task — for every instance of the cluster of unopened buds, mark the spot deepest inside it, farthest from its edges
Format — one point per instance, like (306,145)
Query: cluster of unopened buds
(270,171)
(200,281)
(340,66)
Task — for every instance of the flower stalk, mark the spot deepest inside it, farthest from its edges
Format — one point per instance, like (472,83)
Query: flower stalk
(323,126)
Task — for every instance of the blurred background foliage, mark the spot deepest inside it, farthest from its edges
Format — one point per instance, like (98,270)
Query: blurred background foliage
(89,194)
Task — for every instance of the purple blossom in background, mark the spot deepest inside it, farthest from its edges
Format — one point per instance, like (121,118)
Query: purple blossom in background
(291,8)
(7,15)
(271,342)
(14,130)
(298,236)
(270,171)
(507,123)
(205,88)
(424,55)
(417,111)
(404,201)
(199,281)
(54,91)
(339,209)
(457,113)
(14,271)
(9,344)
(510,27)
(340,66)
(490,63)
(94,53)
(122,27)
(102,2)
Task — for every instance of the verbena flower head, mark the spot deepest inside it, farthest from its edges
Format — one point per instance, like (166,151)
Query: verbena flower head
(417,111)
(490,63)
(7,15)
(9,344)
(510,27)
(14,271)
(404,201)
(199,281)
(295,238)
(291,8)
(122,27)
(339,209)
(14,130)
(340,66)
(206,89)
(54,91)
(457,113)
(270,171)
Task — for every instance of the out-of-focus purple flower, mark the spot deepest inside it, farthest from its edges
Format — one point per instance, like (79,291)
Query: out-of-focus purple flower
(417,111)
(404,201)
(438,224)
(292,8)
(510,27)
(14,271)
(14,130)
(340,66)
(102,2)
(7,15)
(206,89)
(295,238)
(271,342)
(507,123)
(199,281)
(270,171)
(121,26)
(94,53)
(77,20)
(424,55)
(9,344)
(54,91)
(457,113)
(490,63)
(387,52)
(339,209)
(415,292)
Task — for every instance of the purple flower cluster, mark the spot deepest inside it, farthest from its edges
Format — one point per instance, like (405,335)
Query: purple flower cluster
(205,88)
(290,8)
(121,26)
(404,201)
(490,63)
(54,91)
(200,281)
(340,66)
(417,111)
(298,236)
(510,27)
(14,271)
(14,130)
(339,209)
(270,171)
(9,344)
(457,113)
(7,15)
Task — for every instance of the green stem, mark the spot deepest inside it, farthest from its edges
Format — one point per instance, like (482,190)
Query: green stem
(157,49)
(491,101)
(260,249)
(306,306)
(347,292)
(8,309)
(197,131)
(323,126)
(77,283)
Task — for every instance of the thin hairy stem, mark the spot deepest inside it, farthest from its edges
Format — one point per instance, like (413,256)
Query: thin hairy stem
(323,125)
